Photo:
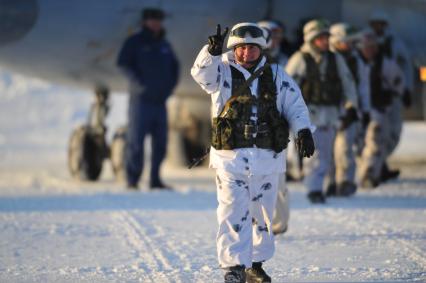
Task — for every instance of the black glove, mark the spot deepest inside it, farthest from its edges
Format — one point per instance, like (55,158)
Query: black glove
(350,117)
(305,143)
(365,119)
(406,98)
(216,42)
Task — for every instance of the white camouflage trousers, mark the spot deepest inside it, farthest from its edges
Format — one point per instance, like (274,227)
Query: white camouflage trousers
(383,135)
(293,161)
(374,152)
(318,166)
(245,213)
(282,209)
(344,153)
(394,122)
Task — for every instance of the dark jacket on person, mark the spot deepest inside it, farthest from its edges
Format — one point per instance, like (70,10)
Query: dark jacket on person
(150,65)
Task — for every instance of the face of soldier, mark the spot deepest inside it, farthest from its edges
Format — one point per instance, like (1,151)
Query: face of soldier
(369,51)
(379,27)
(321,42)
(246,55)
(343,46)
(154,25)
(277,36)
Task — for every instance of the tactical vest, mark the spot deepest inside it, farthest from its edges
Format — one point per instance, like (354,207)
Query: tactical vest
(385,48)
(320,90)
(235,128)
(380,97)
(352,64)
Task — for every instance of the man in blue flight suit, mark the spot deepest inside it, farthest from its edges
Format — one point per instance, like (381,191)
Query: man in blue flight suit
(152,69)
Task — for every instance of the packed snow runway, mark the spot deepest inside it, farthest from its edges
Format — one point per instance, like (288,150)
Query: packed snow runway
(54,229)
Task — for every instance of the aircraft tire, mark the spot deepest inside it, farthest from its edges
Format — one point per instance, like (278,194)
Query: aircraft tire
(86,153)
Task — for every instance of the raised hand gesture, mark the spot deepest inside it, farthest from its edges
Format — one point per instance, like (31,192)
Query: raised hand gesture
(216,41)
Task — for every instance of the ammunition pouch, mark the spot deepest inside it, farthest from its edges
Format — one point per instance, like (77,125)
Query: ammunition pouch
(228,135)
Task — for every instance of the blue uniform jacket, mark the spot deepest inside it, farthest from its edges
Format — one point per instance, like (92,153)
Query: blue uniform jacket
(150,65)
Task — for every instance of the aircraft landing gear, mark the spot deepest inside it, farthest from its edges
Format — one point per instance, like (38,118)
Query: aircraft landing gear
(88,148)
(118,151)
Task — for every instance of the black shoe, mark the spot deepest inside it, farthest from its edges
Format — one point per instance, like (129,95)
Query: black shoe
(290,177)
(132,186)
(331,190)
(369,183)
(388,174)
(235,274)
(279,231)
(256,274)
(346,189)
(159,185)
(316,197)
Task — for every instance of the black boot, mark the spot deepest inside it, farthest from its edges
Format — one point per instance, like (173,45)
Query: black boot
(331,190)
(132,186)
(235,274)
(346,189)
(256,274)
(158,185)
(388,174)
(369,183)
(316,197)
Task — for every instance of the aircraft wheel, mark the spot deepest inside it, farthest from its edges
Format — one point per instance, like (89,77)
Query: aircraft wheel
(86,153)
(118,154)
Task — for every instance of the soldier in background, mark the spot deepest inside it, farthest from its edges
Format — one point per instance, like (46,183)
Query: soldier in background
(275,55)
(282,211)
(392,47)
(386,85)
(327,87)
(349,138)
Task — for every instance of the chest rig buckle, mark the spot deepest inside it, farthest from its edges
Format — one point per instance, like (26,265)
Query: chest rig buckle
(251,130)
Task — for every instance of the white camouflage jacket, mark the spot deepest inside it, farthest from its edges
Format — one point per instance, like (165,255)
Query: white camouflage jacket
(213,74)
(363,83)
(393,76)
(401,55)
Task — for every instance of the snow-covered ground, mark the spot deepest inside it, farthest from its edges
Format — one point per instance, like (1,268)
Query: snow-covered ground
(55,229)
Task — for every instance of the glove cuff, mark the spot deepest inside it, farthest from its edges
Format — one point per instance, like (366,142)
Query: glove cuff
(304,132)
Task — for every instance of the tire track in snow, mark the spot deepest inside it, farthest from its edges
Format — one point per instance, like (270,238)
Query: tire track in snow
(145,258)
(162,250)
(414,252)
(190,250)
(142,237)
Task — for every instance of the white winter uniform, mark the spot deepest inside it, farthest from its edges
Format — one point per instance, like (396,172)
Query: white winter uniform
(379,130)
(351,139)
(281,214)
(363,86)
(325,118)
(401,55)
(247,178)
(282,209)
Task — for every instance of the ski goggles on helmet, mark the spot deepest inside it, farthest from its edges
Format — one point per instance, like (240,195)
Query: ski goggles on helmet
(242,32)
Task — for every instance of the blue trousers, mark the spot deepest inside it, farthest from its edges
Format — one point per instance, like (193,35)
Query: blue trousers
(145,118)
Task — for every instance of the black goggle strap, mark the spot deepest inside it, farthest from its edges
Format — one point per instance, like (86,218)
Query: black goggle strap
(268,35)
